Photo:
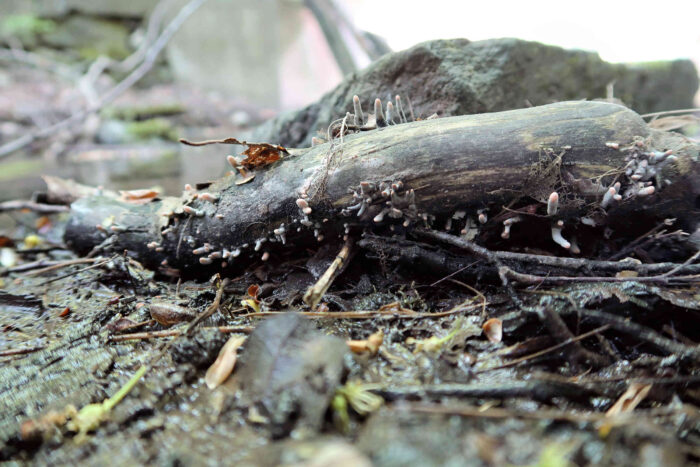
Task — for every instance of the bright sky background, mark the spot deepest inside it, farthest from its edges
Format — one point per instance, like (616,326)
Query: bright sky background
(620,31)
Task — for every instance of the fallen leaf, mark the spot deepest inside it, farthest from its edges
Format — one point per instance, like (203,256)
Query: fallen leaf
(258,155)
(493,329)
(139,196)
(635,393)
(371,344)
(168,314)
(121,324)
(225,362)
(42,223)
(252,302)
(290,371)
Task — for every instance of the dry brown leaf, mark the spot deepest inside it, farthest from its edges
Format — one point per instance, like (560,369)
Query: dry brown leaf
(121,324)
(635,393)
(493,329)
(225,362)
(371,344)
(42,223)
(258,155)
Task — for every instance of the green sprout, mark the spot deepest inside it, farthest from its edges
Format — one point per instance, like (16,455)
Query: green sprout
(435,344)
(357,396)
(90,416)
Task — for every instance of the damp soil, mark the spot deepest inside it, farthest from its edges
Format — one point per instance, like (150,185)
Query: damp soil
(458,399)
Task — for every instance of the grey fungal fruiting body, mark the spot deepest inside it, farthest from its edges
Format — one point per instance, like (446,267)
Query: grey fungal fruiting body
(359,118)
(553,204)
(557,237)
(379,113)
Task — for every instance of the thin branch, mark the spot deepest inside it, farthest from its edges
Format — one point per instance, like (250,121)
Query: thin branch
(539,353)
(96,265)
(175,332)
(113,93)
(640,332)
(19,204)
(313,296)
(532,279)
(671,112)
(548,414)
(25,350)
(48,266)
(557,261)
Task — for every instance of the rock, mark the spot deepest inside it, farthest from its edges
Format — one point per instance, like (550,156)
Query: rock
(457,77)
(289,372)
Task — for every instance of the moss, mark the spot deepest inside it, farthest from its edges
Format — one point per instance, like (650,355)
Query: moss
(142,112)
(25,28)
(659,65)
(152,128)
(21,168)
(90,37)
(167,164)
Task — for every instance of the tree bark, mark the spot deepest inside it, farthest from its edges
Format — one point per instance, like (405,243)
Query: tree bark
(467,163)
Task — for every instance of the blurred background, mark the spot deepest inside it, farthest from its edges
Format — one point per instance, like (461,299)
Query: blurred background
(100,91)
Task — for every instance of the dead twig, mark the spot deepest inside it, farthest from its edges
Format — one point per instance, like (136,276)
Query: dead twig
(548,414)
(577,355)
(17,205)
(548,349)
(476,292)
(671,112)
(640,332)
(210,310)
(175,332)
(96,265)
(313,296)
(25,350)
(48,266)
(558,261)
(363,314)
(532,279)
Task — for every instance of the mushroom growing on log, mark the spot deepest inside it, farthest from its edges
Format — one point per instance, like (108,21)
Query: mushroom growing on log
(501,169)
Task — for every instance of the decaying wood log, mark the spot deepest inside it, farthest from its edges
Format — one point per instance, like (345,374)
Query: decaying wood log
(484,171)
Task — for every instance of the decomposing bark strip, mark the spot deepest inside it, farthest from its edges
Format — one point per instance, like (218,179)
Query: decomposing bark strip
(403,176)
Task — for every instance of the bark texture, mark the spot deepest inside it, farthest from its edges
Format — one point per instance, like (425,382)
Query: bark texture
(468,163)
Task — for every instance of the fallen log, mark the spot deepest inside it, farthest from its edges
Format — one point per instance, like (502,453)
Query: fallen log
(557,169)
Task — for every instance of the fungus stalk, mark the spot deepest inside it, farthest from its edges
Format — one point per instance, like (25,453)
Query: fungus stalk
(556,236)
(553,204)
(359,118)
